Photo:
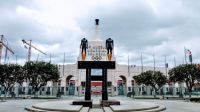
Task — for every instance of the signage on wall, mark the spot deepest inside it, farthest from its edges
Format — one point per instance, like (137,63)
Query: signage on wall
(96,53)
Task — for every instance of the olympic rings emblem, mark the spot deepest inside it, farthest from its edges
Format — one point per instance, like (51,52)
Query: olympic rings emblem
(96,58)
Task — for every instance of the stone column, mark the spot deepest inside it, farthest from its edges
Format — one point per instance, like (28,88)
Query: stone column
(116,92)
(88,85)
(79,90)
(67,89)
(125,88)
(174,89)
(164,90)
(76,90)
(26,89)
(182,88)
(136,89)
(104,85)
(54,88)
(64,91)
(16,89)
(148,88)
(112,90)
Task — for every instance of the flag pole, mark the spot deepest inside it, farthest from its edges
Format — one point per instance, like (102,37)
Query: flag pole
(190,56)
(142,63)
(64,64)
(185,55)
(16,58)
(166,65)
(174,61)
(128,66)
(50,58)
(154,63)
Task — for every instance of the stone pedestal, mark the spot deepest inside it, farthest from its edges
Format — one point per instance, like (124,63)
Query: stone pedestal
(85,103)
(104,85)
(88,85)
(88,65)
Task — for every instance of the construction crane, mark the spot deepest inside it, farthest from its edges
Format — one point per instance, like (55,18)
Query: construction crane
(29,48)
(3,44)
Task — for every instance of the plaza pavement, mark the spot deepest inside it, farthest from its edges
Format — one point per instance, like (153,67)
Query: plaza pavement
(171,105)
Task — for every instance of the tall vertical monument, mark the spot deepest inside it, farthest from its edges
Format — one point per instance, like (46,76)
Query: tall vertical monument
(96,54)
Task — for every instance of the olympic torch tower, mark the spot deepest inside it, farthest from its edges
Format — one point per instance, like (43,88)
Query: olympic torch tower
(96,54)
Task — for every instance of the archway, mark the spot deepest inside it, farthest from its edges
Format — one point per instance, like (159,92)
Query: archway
(70,85)
(121,85)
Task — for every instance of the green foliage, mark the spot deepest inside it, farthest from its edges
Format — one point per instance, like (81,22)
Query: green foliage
(150,78)
(9,74)
(187,73)
(39,73)
(2,74)
(19,74)
(195,100)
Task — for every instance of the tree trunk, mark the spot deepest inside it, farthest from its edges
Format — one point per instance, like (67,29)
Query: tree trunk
(5,95)
(190,92)
(35,93)
(154,92)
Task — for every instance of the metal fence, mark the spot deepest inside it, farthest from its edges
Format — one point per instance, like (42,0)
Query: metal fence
(113,91)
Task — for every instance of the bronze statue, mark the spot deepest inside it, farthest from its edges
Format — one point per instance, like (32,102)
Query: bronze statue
(84,46)
(109,47)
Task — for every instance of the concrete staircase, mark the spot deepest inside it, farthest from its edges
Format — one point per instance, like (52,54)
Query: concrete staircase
(127,105)
(33,109)
(103,109)
(158,108)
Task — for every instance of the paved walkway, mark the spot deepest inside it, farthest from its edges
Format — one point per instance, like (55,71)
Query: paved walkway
(96,110)
(171,105)
(177,105)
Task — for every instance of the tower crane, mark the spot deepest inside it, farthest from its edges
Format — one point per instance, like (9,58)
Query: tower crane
(29,48)
(3,44)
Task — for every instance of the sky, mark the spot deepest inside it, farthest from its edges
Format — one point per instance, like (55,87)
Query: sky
(148,27)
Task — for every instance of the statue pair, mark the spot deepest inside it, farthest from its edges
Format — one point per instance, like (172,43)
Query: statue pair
(109,47)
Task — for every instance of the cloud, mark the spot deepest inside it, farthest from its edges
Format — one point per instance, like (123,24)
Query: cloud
(157,26)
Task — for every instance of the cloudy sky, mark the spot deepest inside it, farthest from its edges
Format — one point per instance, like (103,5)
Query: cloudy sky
(160,27)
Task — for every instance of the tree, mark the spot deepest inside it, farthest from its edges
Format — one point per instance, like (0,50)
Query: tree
(188,73)
(19,74)
(150,78)
(20,77)
(9,74)
(39,73)
(2,76)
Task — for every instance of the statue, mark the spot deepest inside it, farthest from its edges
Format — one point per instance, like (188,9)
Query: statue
(109,47)
(84,46)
